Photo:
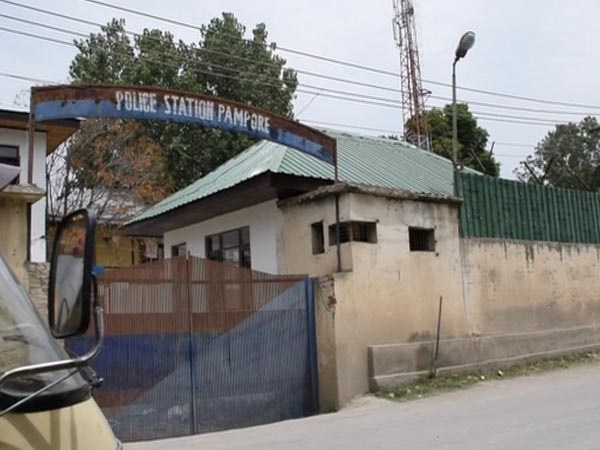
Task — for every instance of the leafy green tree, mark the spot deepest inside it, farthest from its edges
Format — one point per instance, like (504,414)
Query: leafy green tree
(222,63)
(568,157)
(472,139)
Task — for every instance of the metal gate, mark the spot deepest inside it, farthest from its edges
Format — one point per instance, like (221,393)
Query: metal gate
(194,346)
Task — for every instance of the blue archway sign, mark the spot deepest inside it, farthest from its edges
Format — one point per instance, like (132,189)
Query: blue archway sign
(151,103)
(141,102)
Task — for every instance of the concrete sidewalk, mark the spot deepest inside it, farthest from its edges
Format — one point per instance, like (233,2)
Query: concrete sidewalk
(557,410)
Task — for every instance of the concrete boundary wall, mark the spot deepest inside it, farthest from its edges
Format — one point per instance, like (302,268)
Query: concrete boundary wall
(522,300)
(397,364)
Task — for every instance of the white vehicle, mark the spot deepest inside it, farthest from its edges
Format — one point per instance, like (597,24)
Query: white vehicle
(45,401)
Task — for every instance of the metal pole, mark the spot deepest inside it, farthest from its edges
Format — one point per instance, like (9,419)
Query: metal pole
(30,140)
(335,165)
(312,343)
(190,313)
(337,215)
(436,353)
(454,117)
(337,232)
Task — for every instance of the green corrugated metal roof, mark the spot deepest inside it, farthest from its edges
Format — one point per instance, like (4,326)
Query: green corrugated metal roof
(361,159)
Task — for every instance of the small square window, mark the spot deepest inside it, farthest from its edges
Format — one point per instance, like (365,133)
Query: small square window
(318,238)
(364,232)
(354,231)
(421,239)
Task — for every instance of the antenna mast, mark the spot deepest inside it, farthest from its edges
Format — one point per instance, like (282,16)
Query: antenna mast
(413,94)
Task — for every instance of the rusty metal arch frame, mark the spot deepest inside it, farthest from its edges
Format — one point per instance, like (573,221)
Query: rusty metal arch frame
(152,103)
(109,101)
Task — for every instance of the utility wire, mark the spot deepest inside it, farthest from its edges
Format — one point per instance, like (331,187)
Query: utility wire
(322,123)
(308,73)
(38,24)
(359,98)
(24,78)
(51,13)
(144,14)
(344,63)
(515,144)
(321,91)
(20,77)
(36,36)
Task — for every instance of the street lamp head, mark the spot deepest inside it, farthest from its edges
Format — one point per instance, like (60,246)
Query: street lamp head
(464,45)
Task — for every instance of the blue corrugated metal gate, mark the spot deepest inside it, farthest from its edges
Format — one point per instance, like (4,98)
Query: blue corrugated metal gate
(194,346)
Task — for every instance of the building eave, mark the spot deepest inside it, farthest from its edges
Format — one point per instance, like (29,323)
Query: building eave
(343,187)
(261,188)
(57,131)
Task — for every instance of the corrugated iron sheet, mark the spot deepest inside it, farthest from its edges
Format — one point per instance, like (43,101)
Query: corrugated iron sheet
(361,159)
(505,209)
(195,346)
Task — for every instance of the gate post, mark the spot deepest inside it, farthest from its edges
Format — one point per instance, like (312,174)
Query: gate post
(312,343)
(192,355)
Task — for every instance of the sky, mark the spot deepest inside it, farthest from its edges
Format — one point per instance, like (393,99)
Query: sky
(540,49)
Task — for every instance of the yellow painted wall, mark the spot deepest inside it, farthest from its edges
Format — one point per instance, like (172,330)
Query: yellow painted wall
(13,235)
(519,286)
(115,249)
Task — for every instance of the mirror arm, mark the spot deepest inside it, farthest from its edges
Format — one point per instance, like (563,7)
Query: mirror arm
(64,364)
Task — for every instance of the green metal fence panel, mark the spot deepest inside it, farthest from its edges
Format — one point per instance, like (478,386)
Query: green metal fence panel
(506,209)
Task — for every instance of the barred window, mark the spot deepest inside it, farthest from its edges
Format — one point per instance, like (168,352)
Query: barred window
(354,231)
(421,239)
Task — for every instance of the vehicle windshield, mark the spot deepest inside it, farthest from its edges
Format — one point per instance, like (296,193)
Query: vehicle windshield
(25,340)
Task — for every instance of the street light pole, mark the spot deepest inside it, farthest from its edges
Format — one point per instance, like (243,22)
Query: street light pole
(464,45)
(454,117)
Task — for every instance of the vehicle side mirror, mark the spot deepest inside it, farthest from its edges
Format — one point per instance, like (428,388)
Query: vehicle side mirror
(70,289)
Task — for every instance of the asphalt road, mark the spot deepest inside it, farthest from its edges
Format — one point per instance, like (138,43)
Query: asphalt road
(557,410)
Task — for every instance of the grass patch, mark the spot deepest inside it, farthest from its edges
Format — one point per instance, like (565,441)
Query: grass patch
(426,386)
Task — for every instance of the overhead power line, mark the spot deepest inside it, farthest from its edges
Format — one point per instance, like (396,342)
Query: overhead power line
(144,14)
(36,36)
(24,78)
(37,80)
(43,25)
(373,100)
(332,93)
(300,71)
(51,13)
(515,144)
(318,57)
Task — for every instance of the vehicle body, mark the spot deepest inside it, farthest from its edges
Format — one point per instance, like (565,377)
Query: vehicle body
(45,399)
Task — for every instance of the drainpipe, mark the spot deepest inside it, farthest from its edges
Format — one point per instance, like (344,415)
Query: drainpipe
(337,232)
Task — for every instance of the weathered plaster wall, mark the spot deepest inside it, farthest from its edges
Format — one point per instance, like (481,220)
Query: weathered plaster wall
(385,293)
(13,238)
(264,220)
(520,286)
(18,138)
(295,238)
(392,294)
(523,301)
(38,274)
(326,343)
